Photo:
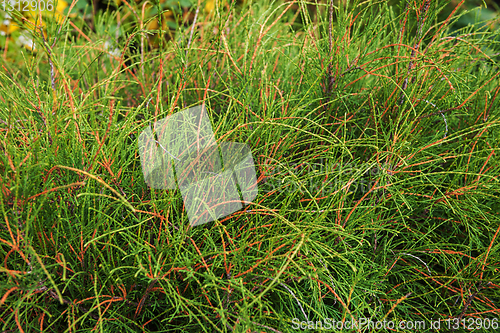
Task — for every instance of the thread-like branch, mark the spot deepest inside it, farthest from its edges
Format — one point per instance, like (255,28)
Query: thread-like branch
(415,49)
(49,54)
(330,76)
(191,35)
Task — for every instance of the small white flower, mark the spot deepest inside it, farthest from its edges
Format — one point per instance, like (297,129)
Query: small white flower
(116,52)
(25,41)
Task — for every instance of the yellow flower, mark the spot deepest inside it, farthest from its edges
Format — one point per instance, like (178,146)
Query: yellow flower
(209,6)
(154,24)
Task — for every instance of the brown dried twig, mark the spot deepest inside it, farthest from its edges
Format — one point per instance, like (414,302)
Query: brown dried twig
(469,301)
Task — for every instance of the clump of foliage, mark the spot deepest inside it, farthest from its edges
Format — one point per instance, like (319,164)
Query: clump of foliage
(374,128)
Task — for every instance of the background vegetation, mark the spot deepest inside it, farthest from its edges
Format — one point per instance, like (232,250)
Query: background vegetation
(374,129)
